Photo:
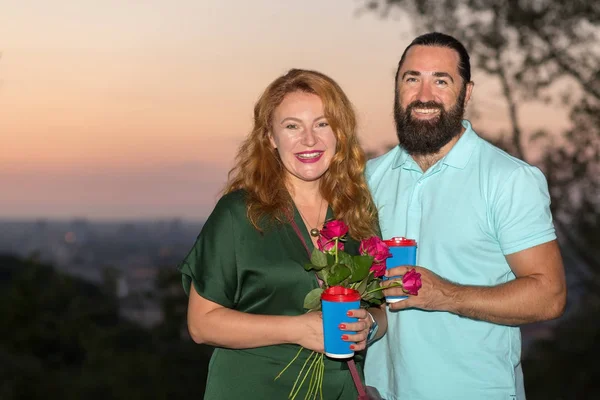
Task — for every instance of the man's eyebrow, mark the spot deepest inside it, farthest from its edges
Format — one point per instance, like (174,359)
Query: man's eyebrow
(443,75)
(411,72)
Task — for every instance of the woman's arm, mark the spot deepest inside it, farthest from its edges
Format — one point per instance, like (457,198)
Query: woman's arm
(213,324)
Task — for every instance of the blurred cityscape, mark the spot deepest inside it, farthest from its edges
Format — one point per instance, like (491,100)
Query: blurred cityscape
(132,253)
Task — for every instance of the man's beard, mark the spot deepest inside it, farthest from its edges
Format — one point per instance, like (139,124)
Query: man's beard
(423,137)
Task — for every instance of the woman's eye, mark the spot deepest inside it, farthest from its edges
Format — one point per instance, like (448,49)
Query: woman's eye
(323,124)
(291,126)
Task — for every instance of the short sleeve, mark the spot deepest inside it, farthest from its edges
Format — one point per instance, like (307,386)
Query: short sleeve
(211,263)
(521,212)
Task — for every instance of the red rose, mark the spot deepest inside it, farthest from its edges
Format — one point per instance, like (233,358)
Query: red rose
(378,269)
(334,229)
(411,282)
(328,246)
(375,248)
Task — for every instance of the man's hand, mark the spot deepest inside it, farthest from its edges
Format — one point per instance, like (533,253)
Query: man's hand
(436,293)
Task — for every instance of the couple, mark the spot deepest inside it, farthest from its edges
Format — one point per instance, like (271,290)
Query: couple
(488,255)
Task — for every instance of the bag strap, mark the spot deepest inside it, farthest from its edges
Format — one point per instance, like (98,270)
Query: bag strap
(297,230)
(360,387)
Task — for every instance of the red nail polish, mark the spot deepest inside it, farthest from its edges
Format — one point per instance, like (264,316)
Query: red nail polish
(344,337)
(351,347)
(349,313)
(342,326)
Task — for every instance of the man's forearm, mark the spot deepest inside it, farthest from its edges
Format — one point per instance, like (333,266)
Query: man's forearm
(524,300)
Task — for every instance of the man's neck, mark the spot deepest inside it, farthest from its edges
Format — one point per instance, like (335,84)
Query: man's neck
(426,161)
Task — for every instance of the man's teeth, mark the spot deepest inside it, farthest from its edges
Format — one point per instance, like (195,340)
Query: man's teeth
(427,110)
(310,155)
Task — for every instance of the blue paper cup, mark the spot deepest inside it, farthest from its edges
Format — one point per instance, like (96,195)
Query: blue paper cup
(335,303)
(404,252)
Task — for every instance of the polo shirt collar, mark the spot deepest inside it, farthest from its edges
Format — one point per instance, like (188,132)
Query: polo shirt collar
(460,153)
(457,157)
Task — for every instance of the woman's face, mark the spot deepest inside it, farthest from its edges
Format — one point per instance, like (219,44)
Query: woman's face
(302,136)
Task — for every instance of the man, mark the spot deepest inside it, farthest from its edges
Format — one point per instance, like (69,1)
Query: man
(487,250)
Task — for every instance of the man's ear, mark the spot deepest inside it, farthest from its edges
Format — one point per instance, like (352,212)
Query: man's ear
(469,91)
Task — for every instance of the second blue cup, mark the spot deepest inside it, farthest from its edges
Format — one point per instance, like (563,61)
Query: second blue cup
(404,252)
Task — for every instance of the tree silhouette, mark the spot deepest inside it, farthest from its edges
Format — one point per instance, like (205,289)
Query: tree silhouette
(62,337)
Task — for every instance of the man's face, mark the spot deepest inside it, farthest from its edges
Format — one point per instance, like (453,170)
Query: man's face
(430,99)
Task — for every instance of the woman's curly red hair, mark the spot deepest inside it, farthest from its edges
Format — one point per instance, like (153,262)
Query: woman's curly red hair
(260,172)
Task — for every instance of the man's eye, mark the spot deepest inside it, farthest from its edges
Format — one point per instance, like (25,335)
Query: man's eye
(411,79)
(441,82)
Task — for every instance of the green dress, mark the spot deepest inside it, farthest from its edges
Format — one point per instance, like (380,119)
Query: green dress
(234,265)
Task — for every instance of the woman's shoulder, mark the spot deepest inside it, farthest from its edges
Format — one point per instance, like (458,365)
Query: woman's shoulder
(232,203)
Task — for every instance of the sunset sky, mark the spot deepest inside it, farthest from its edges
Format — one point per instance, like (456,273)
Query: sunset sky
(134,109)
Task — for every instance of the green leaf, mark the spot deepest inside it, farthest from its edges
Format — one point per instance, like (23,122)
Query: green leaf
(309,266)
(324,276)
(344,258)
(312,301)
(337,274)
(360,267)
(370,303)
(330,259)
(362,286)
(374,284)
(318,258)
(375,294)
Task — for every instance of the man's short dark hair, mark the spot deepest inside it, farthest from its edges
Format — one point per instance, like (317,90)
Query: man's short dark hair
(442,40)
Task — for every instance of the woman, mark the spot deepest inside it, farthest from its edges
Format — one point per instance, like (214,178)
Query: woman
(300,166)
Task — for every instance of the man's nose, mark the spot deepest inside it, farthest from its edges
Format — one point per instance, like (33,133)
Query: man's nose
(425,93)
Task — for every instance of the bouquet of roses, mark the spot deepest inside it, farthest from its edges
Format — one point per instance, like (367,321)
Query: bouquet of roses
(334,267)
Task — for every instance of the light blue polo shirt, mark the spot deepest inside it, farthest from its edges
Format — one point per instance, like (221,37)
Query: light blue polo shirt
(469,210)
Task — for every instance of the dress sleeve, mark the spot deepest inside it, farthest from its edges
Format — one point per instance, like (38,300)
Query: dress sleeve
(521,213)
(211,263)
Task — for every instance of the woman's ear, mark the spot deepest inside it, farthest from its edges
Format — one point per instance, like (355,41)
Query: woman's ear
(272,140)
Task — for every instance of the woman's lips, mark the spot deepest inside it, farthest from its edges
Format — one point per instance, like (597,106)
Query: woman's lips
(309,157)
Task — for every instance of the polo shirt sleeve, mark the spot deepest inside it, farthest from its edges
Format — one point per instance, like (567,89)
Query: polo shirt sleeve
(521,211)
(211,263)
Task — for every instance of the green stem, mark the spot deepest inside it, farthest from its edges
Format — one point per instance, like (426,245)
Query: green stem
(322,365)
(336,249)
(312,364)
(290,363)
(300,374)
(312,384)
(394,284)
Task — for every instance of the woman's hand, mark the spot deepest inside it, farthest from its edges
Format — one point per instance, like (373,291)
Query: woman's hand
(357,332)
(310,331)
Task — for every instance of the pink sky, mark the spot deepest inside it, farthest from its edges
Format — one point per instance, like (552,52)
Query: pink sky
(117,109)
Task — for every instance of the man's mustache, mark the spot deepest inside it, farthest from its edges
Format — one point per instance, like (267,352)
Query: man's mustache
(427,104)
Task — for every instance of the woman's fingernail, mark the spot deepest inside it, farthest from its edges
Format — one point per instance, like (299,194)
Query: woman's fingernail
(349,313)
(344,337)
(342,326)
(352,347)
